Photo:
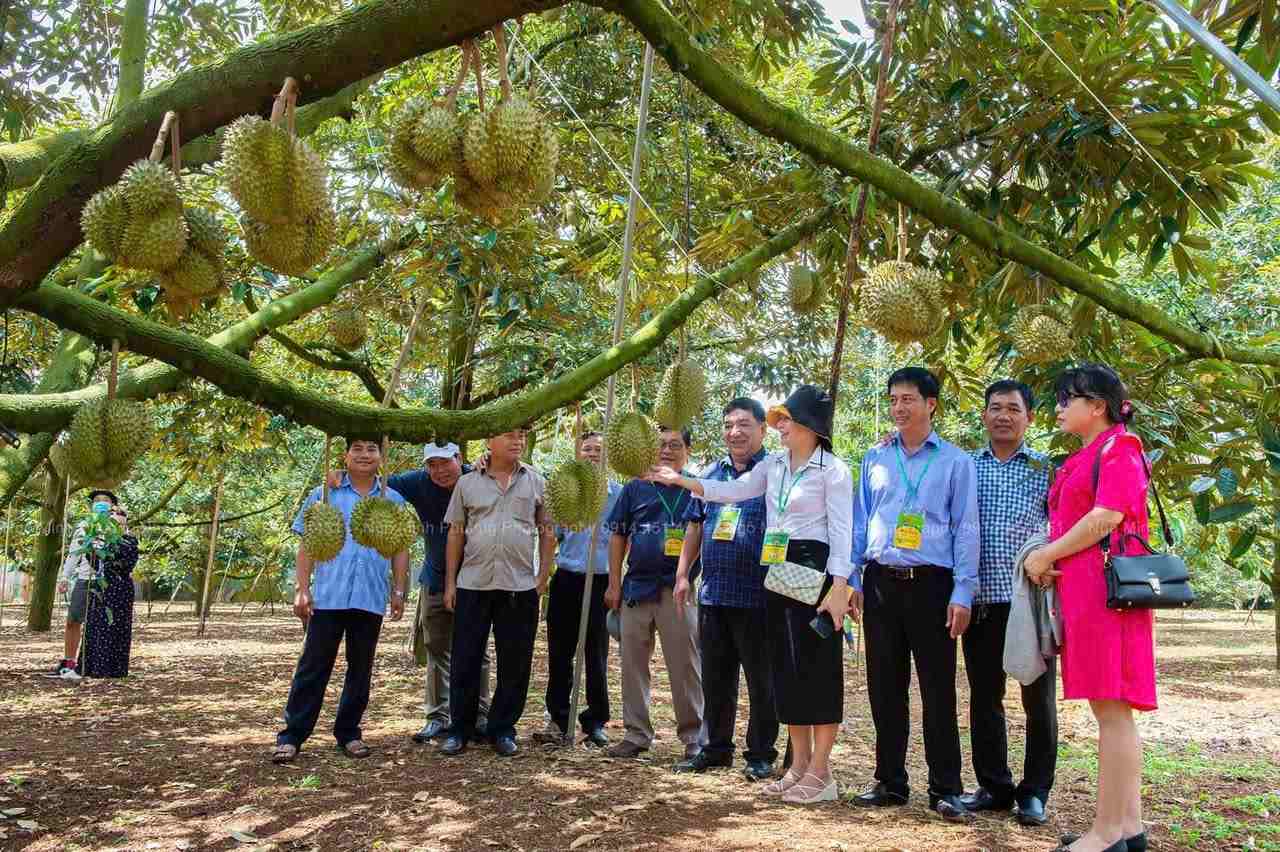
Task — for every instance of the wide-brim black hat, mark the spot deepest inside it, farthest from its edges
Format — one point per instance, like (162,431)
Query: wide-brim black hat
(96,491)
(812,408)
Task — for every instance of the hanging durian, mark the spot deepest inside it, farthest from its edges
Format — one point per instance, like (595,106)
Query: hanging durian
(903,301)
(324,531)
(349,328)
(104,440)
(199,273)
(386,526)
(576,492)
(632,444)
(806,289)
(1042,334)
(138,223)
(682,395)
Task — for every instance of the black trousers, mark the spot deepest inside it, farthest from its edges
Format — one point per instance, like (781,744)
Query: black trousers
(564,614)
(732,638)
(325,631)
(513,617)
(905,619)
(983,646)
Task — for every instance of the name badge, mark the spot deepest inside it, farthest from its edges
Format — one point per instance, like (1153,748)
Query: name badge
(727,524)
(774,551)
(909,532)
(672,541)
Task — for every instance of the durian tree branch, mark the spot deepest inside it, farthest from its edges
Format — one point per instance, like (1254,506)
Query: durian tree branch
(50,412)
(683,53)
(235,376)
(324,57)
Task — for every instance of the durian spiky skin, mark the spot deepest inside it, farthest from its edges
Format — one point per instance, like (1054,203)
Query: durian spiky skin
(138,223)
(349,328)
(576,493)
(105,438)
(806,289)
(383,525)
(481,160)
(513,127)
(681,396)
(105,219)
(1042,334)
(324,531)
(903,301)
(632,442)
(149,188)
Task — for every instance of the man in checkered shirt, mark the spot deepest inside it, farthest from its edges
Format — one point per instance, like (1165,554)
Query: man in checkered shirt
(1013,483)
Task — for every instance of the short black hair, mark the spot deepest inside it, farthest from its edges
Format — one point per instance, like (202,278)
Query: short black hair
(351,439)
(1011,386)
(923,381)
(115,501)
(747,404)
(685,435)
(1096,381)
(592,434)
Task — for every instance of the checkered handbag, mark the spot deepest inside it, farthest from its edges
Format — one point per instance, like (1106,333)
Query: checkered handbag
(795,581)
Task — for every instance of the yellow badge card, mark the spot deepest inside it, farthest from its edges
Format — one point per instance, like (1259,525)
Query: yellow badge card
(909,532)
(774,551)
(727,524)
(672,541)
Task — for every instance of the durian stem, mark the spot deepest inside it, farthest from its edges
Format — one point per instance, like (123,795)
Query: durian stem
(902,232)
(324,483)
(684,344)
(500,41)
(577,428)
(157,148)
(114,375)
(451,98)
(477,62)
(175,146)
(288,90)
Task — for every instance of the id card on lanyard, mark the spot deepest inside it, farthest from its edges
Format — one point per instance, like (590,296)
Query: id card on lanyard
(673,533)
(727,523)
(776,539)
(908,532)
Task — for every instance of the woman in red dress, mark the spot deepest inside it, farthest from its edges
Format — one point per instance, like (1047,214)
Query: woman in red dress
(1108,656)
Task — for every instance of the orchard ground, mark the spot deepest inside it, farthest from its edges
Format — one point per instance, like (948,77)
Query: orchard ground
(175,757)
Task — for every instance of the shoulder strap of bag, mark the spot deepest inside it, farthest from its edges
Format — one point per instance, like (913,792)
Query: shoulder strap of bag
(1105,544)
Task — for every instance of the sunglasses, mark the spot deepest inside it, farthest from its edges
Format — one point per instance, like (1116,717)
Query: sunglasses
(1064,398)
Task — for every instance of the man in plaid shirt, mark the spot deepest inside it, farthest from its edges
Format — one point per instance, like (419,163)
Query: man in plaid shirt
(1013,484)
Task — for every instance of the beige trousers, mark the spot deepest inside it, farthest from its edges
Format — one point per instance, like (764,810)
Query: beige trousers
(438,624)
(678,630)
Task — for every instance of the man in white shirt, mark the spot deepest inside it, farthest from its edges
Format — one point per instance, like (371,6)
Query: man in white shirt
(77,571)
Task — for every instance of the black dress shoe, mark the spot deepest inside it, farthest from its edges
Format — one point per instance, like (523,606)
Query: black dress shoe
(880,796)
(701,762)
(758,770)
(983,799)
(453,745)
(950,808)
(505,746)
(595,738)
(430,731)
(1118,846)
(1031,811)
(1137,843)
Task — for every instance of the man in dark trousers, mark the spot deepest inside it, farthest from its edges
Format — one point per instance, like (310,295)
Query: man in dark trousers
(915,558)
(348,601)
(1013,484)
(728,538)
(498,558)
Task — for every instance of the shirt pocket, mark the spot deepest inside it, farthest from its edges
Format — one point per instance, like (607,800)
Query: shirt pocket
(523,508)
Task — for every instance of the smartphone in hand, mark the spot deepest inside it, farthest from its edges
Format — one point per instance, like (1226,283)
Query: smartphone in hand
(822,625)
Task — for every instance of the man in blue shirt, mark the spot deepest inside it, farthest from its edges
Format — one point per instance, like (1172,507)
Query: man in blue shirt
(915,558)
(349,599)
(649,519)
(1013,483)
(729,539)
(564,615)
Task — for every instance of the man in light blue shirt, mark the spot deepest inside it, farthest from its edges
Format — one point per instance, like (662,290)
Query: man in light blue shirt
(915,558)
(349,599)
(564,614)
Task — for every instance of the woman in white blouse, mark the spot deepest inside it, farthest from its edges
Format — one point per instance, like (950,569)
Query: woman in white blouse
(809,501)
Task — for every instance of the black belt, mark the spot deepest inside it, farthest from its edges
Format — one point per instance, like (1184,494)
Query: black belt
(908,572)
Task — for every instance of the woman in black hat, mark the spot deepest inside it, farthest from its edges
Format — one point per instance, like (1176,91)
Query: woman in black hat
(809,503)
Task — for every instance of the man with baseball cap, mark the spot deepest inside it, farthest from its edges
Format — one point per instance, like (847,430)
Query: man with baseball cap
(429,490)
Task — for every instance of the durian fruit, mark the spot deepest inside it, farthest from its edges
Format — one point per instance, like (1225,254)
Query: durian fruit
(293,249)
(105,438)
(104,221)
(349,328)
(806,288)
(902,301)
(324,531)
(576,493)
(631,442)
(199,273)
(138,223)
(1041,334)
(58,457)
(415,142)
(480,156)
(509,160)
(682,395)
(514,125)
(385,526)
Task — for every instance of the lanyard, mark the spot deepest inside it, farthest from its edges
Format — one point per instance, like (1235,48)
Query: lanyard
(906,480)
(671,511)
(785,489)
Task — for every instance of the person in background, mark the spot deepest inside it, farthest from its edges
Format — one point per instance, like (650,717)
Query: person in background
(728,538)
(808,495)
(649,520)
(496,520)
(1108,655)
(76,574)
(348,601)
(915,556)
(108,626)
(1013,486)
(564,616)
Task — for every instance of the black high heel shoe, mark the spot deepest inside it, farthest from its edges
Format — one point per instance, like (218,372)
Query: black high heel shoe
(1137,843)
(1118,846)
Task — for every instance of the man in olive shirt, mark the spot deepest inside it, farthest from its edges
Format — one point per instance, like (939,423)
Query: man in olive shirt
(494,517)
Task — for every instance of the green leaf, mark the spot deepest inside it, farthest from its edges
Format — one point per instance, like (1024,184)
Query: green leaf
(1158,248)
(1228,481)
(1246,30)
(1201,504)
(1243,543)
(956,90)
(1172,233)
(1201,484)
(1229,512)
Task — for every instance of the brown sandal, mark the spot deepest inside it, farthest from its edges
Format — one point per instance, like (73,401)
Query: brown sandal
(284,753)
(354,748)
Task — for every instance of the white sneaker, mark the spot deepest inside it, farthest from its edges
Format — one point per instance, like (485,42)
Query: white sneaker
(69,674)
(810,790)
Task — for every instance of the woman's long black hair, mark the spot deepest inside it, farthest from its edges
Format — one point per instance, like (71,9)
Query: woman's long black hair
(1097,381)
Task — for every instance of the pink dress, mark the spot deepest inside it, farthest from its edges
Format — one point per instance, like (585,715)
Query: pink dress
(1106,653)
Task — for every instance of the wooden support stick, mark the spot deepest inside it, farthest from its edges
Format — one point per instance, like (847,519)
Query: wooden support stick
(213,541)
(157,148)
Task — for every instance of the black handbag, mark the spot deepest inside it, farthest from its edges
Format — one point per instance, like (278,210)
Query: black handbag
(1150,580)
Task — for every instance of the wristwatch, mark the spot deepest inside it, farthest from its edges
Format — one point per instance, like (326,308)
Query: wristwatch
(399,593)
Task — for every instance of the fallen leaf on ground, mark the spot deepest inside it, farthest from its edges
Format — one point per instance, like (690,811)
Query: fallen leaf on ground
(243,836)
(583,840)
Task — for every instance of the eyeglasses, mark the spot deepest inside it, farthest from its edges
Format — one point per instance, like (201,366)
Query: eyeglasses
(1064,398)
(671,446)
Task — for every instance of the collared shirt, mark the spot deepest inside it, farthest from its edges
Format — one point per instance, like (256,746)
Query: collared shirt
(948,497)
(76,566)
(430,501)
(1011,509)
(501,529)
(731,571)
(818,506)
(574,544)
(642,516)
(358,577)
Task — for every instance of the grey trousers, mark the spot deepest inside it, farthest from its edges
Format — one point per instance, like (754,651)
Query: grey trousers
(678,630)
(438,627)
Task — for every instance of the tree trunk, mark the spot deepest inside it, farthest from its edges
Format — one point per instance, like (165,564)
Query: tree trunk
(1275,598)
(48,557)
